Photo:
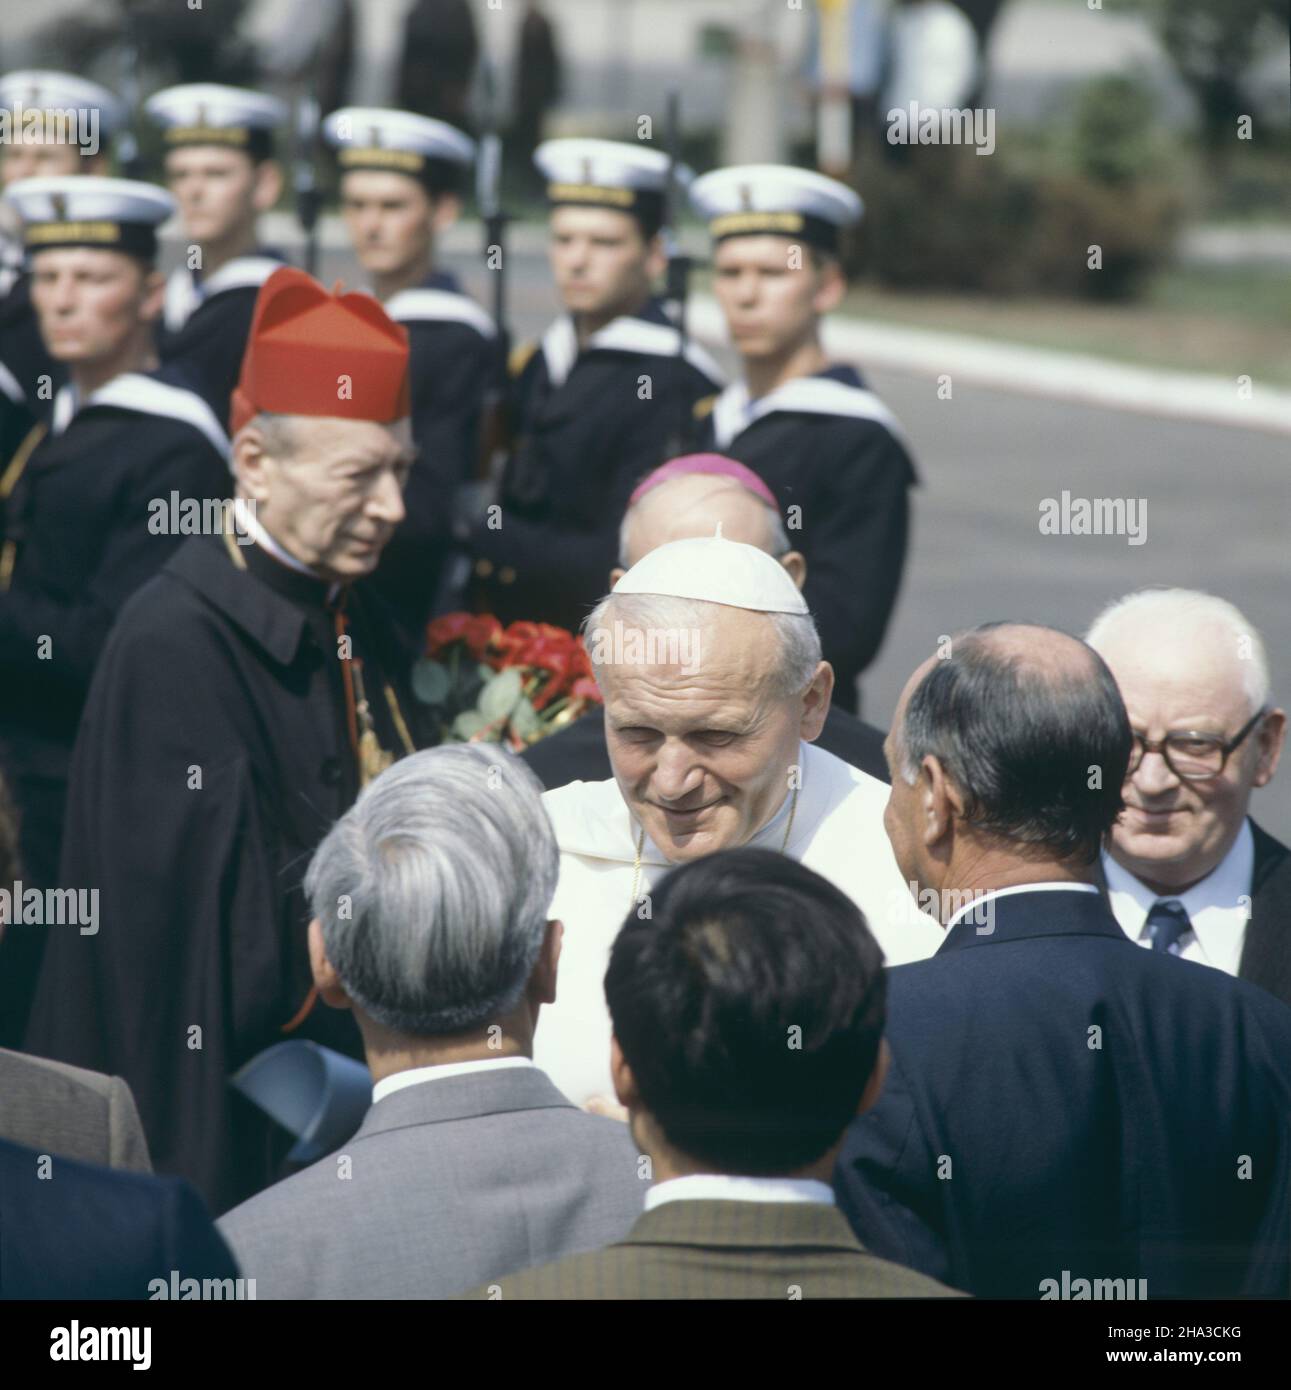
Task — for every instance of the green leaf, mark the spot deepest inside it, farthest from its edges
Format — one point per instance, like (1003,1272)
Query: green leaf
(499,696)
(468,724)
(524,719)
(430,682)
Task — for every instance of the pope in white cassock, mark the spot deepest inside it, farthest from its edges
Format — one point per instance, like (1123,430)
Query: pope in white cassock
(714,688)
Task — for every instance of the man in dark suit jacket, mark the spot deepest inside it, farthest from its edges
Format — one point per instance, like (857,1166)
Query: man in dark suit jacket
(692,496)
(1063,1110)
(70,1230)
(1185,862)
(748,1022)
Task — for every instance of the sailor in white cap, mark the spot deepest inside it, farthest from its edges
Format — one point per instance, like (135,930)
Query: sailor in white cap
(402,180)
(826,445)
(51,123)
(81,497)
(220,165)
(715,691)
(603,399)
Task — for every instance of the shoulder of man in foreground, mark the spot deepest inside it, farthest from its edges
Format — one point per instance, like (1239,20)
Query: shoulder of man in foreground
(83,1115)
(520,1134)
(76,1230)
(686,1250)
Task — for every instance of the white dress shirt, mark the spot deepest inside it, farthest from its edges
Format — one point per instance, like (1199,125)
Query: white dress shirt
(414,1076)
(975,905)
(1218,907)
(725,1187)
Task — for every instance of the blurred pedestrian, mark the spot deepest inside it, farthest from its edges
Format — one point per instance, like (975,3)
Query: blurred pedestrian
(440,50)
(536,87)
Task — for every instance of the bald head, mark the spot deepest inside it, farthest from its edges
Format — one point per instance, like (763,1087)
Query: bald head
(693,505)
(1028,724)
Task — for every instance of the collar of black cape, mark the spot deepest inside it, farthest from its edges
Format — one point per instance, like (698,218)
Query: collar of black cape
(272,604)
(1049,913)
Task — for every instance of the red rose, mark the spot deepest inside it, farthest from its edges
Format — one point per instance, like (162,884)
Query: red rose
(443,632)
(479,634)
(585,688)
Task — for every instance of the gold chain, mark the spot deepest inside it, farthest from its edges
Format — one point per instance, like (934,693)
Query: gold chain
(636,862)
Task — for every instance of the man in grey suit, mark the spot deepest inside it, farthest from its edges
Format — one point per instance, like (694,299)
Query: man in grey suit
(748,1014)
(430,901)
(70,1112)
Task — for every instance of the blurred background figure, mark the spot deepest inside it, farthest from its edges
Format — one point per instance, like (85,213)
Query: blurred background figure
(934,56)
(536,87)
(440,50)
(846,58)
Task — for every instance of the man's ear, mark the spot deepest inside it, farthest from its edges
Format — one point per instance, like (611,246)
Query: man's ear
(616,574)
(541,988)
(153,300)
(250,463)
(795,564)
(447,208)
(267,188)
(328,983)
(625,1084)
(940,801)
(815,707)
(830,289)
(656,257)
(1272,737)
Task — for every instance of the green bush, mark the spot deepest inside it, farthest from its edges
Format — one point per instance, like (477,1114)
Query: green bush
(1022,220)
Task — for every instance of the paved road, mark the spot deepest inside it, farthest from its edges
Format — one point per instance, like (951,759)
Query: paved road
(1218,514)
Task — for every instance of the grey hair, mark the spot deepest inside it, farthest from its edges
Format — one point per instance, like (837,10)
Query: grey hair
(780,544)
(433,889)
(1184,612)
(276,431)
(799,643)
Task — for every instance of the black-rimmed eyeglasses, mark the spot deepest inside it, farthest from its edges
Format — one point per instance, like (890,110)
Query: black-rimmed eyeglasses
(1193,757)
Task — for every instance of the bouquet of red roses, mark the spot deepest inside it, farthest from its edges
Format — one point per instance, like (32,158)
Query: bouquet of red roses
(489,684)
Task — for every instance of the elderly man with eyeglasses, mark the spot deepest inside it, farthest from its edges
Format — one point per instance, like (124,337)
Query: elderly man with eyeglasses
(1187,870)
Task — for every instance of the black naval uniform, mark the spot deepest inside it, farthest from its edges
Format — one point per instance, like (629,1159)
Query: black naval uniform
(451,341)
(77,543)
(827,445)
(584,438)
(25,364)
(206,340)
(214,755)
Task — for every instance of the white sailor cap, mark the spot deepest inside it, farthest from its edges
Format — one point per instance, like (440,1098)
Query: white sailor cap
(608,174)
(400,142)
(39,90)
(86,210)
(205,113)
(715,570)
(776,200)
